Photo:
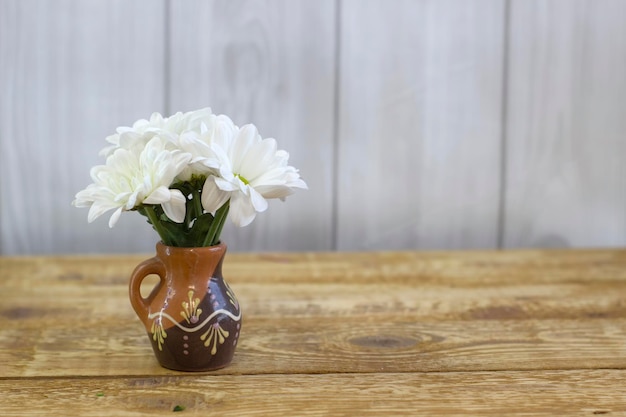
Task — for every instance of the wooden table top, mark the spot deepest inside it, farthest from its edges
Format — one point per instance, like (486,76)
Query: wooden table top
(431,333)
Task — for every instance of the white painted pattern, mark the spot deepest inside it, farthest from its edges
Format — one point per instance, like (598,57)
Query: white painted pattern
(162,315)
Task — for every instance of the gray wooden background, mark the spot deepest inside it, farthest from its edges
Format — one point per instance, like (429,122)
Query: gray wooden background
(423,124)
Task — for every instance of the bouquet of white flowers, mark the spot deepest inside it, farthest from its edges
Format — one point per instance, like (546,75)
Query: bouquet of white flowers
(186,173)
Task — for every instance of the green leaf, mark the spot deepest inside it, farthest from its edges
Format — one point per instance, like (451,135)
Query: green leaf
(200,228)
(176,232)
(213,235)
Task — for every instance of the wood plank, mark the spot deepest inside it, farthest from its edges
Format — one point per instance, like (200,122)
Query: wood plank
(117,345)
(420,124)
(272,64)
(572,393)
(332,312)
(70,73)
(565,176)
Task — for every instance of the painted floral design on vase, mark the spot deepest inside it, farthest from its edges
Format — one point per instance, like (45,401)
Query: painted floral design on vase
(192,316)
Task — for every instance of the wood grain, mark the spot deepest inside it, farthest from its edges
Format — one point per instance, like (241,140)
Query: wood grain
(565,176)
(335,313)
(419,124)
(371,333)
(70,73)
(571,393)
(270,63)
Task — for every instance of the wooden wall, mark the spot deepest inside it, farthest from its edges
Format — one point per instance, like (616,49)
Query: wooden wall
(423,124)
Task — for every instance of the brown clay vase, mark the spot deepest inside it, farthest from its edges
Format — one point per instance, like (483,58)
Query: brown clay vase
(192,316)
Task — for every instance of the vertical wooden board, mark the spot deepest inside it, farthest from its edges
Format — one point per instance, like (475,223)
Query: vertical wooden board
(270,63)
(420,124)
(566,133)
(70,73)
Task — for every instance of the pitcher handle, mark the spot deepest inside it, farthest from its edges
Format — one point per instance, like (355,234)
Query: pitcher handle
(147,267)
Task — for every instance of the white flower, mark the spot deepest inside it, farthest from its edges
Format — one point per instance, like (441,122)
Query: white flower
(169,128)
(236,166)
(249,170)
(135,176)
(220,128)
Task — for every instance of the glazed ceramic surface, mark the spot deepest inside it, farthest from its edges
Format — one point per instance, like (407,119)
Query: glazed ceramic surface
(192,316)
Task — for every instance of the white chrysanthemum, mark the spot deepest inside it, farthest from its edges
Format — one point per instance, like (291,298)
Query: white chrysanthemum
(136,176)
(218,128)
(250,170)
(169,128)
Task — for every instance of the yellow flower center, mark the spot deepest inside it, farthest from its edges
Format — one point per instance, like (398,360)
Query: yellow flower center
(243,179)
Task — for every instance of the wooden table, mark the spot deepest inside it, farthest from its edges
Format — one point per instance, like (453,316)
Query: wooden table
(448,333)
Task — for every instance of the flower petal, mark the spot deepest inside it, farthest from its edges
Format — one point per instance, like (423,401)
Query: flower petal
(242,211)
(247,136)
(259,157)
(97,209)
(192,143)
(115,217)
(212,196)
(274,191)
(175,208)
(161,195)
(224,185)
(258,202)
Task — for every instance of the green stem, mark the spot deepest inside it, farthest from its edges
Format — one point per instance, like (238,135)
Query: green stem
(189,214)
(154,220)
(222,221)
(197,203)
(213,235)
